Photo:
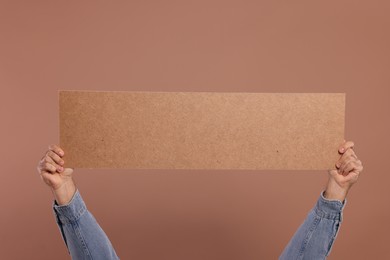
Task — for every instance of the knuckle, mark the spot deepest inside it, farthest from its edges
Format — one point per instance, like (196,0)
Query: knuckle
(48,153)
(49,166)
(41,164)
(54,148)
(351,159)
(349,153)
(53,155)
(344,156)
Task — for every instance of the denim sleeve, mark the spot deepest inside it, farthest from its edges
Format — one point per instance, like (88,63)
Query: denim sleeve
(315,237)
(82,235)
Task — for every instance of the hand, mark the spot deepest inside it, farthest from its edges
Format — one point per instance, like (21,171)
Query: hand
(59,179)
(348,169)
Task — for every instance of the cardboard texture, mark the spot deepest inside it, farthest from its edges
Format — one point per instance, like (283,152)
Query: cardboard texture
(201,130)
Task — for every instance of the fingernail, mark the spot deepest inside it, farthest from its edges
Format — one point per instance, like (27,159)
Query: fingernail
(342,149)
(60,169)
(61,153)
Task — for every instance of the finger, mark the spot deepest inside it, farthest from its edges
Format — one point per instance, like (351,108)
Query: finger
(345,164)
(47,167)
(347,155)
(57,150)
(358,169)
(352,176)
(336,175)
(68,171)
(55,157)
(353,166)
(351,152)
(333,172)
(345,146)
(48,159)
(41,165)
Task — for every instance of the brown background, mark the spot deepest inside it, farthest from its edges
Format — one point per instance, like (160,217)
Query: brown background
(246,46)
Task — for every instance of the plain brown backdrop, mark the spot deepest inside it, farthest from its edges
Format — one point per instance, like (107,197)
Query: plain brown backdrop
(236,46)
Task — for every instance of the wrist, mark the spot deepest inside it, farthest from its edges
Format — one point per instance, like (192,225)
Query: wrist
(334,192)
(64,193)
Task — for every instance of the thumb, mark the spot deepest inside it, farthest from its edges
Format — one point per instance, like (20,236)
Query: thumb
(332,172)
(68,172)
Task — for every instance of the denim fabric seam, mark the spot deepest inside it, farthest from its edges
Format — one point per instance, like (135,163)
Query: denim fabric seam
(78,232)
(313,227)
(62,211)
(336,229)
(66,220)
(334,207)
(61,228)
(326,215)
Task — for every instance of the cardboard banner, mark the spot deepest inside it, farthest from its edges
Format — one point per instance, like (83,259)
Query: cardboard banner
(201,130)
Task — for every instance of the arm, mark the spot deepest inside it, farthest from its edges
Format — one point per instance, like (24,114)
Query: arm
(315,237)
(82,235)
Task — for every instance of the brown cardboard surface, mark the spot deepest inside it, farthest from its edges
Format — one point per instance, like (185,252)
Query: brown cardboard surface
(201,130)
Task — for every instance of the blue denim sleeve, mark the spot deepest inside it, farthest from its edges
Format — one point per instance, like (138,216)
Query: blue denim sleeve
(83,236)
(315,237)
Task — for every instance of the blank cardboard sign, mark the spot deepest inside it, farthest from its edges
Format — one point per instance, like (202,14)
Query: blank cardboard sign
(201,130)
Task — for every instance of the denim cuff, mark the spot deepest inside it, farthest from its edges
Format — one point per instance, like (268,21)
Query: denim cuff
(330,209)
(72,211)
